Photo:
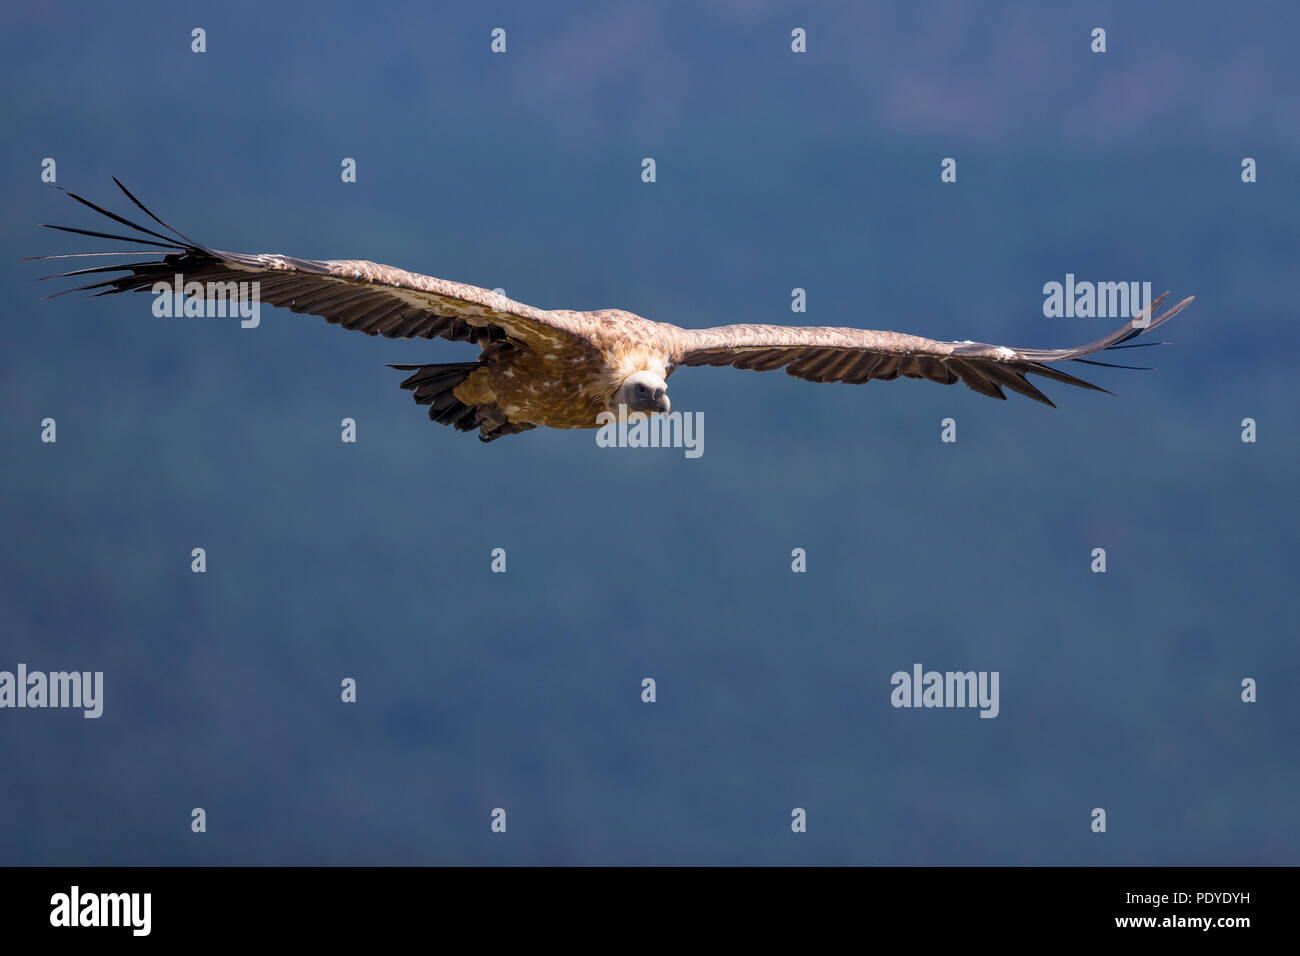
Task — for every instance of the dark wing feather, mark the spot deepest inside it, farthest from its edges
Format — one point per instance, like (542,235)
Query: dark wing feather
(356,294)
(859,355)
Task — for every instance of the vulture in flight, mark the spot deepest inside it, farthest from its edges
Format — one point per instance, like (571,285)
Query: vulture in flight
(560,368)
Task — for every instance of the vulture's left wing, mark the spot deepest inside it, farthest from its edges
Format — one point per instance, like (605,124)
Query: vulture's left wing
(857,356)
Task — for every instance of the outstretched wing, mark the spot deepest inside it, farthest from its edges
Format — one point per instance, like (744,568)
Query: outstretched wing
(857,356)
(366,296)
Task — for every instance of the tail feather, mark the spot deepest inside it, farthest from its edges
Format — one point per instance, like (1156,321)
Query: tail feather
(435,386)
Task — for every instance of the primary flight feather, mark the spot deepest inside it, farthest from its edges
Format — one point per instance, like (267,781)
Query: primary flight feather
(561,368)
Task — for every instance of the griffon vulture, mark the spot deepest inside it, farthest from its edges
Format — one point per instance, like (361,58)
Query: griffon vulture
(562,368)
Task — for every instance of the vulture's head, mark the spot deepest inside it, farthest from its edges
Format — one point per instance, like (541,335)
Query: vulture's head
(642,392)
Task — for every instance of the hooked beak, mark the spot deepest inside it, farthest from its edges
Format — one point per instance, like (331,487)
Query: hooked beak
(661,400)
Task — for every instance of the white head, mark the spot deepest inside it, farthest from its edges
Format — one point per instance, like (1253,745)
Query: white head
(642,392)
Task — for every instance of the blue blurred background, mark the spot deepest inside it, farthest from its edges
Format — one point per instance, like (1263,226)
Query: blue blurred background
(775,170)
